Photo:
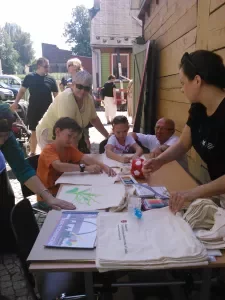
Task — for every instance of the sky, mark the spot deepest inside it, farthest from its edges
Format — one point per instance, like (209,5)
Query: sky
(43,19)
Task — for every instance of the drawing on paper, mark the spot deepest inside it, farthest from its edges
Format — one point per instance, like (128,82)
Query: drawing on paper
(83,196)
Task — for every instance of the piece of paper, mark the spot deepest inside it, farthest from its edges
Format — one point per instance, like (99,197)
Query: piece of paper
(75,230)
(155,191)
(85,178)
(92,197)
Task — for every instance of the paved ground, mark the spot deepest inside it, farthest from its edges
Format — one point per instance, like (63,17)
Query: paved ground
(12,283)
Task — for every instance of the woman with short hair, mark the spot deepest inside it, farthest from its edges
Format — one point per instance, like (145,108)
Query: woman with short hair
(73,65)
(76,103)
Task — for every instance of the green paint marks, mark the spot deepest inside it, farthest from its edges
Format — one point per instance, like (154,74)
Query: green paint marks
(83,196)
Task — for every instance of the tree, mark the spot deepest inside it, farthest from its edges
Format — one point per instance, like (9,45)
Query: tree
(9,56)
(21,42)
(77,31)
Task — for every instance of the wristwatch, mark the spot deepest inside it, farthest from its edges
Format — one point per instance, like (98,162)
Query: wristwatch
(82,167)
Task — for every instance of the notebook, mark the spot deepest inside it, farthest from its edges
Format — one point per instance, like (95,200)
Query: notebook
(75,230)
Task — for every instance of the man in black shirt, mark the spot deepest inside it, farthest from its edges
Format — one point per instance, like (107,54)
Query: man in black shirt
(110,99)
(41,86)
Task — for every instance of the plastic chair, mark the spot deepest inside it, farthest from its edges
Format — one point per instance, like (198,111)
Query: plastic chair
(25,229)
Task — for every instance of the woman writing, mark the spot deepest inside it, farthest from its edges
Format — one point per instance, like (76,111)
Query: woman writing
(202,76)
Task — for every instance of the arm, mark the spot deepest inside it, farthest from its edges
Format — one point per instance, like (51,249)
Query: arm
(110,154)
(158,150)
(36,186)
(55,89)
(65,167)
(138,151)
(172,153)
(93,166)
(26,174)
(213,188)
(134,135)
(19,96)
(87,159)
(114,95)
(99,126)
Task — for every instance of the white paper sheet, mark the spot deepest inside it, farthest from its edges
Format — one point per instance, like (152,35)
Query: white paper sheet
(85,178)
(92,197)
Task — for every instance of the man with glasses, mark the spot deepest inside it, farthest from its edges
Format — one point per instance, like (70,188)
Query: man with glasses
(41,86)
(163,138)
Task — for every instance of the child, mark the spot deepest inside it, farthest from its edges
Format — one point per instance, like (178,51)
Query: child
(61,156)
(120,143)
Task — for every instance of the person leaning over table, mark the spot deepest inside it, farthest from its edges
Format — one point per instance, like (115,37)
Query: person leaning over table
(13,154)
(164,137)
(76,103)
(202,76)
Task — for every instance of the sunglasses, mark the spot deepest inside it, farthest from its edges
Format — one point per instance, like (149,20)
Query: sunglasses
(82,87)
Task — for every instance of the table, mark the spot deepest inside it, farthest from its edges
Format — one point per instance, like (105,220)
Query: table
(174,177)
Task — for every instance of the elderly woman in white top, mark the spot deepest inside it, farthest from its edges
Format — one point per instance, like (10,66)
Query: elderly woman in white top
(75,102)
(74,65)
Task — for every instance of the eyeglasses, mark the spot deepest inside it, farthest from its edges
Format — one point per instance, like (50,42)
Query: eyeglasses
(82,87)
(46,66)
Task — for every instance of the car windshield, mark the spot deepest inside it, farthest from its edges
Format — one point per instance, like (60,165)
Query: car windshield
(3,85)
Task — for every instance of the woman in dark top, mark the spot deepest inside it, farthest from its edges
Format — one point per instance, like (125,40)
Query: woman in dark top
(202,76)
(13,154)
(110,99)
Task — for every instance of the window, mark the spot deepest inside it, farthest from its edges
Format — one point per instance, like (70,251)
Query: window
(124,59)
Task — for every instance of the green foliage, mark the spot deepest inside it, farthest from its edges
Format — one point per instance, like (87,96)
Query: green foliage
(22,43)
(15,48)
(8,54)
(77,31)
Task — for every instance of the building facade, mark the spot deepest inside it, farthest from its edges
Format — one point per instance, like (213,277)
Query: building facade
(58,58)
(114,28)
(180,26)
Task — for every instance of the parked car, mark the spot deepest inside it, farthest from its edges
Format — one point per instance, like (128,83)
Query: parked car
(6,94)
(11,80)
(5,86)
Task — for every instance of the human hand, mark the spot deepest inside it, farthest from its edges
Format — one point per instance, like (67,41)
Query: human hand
(115,101)
(109,171)
(155,152)
(125,159)
(58,204)
(93,169)
(151,166)
(134,156)
(178,199)
(14,106)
